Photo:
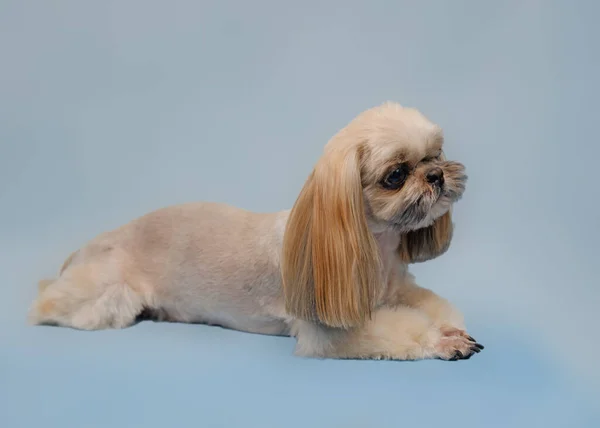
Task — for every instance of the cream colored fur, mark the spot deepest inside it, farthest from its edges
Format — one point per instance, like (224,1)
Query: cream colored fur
(215,264)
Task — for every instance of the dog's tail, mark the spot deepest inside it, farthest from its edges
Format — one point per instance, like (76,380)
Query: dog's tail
(44,283)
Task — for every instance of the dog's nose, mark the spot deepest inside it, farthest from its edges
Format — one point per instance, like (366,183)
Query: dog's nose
(435,176)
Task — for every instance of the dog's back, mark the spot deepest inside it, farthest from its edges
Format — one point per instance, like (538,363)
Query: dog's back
(186,263)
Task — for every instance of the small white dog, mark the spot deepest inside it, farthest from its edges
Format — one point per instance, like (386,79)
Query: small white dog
(332,271)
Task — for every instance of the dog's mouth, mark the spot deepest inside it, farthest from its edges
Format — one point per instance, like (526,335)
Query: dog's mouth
(414,213)
(427,207)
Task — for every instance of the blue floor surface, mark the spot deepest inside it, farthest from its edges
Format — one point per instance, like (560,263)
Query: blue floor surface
(170,375)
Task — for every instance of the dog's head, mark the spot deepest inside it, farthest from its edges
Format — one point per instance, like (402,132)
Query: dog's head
(385,171)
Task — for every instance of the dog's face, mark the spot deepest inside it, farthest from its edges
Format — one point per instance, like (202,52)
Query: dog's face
(385,171)
(407,182)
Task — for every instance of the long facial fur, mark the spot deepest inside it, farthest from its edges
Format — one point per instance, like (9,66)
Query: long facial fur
(323,240)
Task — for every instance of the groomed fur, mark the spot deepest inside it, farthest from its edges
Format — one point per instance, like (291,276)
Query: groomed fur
(330,260)
(332,272)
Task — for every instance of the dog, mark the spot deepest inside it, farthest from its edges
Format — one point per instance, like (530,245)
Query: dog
(331,272)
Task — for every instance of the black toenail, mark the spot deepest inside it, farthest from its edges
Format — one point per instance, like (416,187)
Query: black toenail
(456,356)
(471,338)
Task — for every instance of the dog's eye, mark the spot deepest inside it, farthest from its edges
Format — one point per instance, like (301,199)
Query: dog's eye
(395,179)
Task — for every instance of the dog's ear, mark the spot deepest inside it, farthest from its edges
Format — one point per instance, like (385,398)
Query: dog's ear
(330,260)
(427,243)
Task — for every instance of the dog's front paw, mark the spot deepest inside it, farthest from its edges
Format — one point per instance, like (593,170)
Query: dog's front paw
(456,344)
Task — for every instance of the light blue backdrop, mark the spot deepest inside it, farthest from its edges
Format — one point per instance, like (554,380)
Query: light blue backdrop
(110,109)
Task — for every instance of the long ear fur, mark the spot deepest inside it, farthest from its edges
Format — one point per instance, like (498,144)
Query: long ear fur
(427,243)
(330,260)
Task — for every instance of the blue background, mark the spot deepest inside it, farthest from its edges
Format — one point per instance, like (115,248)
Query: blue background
(114,108)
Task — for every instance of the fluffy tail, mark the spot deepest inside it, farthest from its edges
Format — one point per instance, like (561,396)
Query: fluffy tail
(68,261)
(87,297)
(44,283)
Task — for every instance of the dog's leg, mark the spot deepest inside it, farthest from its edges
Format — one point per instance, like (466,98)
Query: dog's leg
(438,309)
(442,313)
(87,297)
(401,333)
